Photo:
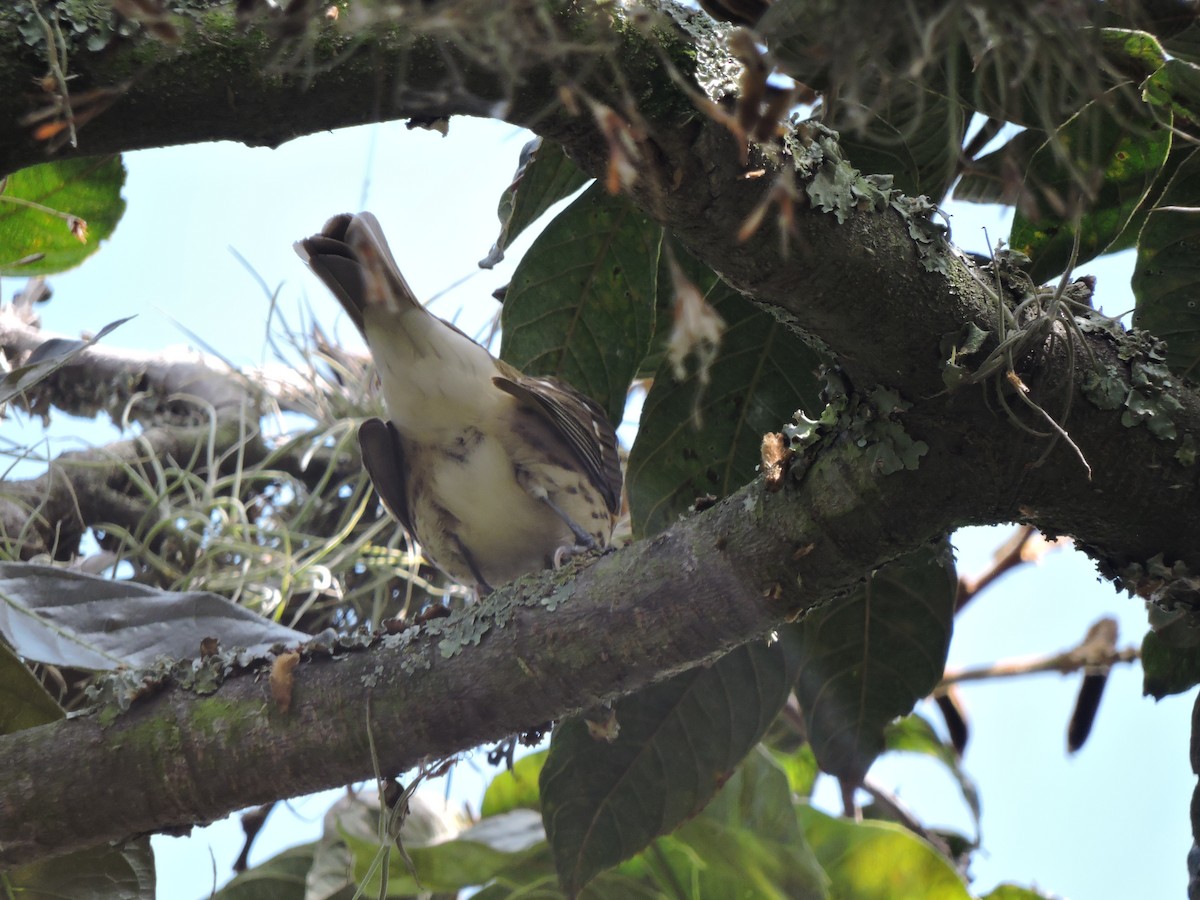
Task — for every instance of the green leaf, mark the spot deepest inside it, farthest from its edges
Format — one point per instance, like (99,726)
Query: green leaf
(544,176)
(516,788)
(913,734)
(581,303)
(868,657)
(24,703)
(88,189)
(878,860)
(679,741)
(1175,87)
(1167,668)
(1013,892)
(476,855)
(762,373)
(1090,177)
(282,877)
(916,139)
(746,843)
(996,177)
(800,767)
(48,358)
(1167,273)
(99,873)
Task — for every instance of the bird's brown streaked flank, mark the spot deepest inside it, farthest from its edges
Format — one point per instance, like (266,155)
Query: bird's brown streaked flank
(494,472)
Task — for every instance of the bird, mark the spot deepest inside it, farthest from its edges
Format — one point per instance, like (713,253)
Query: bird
(495,473)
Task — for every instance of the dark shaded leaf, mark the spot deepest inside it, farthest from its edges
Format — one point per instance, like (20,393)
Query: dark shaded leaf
(47,359)
(100,873)
(1166,279)
(679,742)
(996,177)
(868,657)
(762,374)
(56,616)
(1168,669)
(87,189)
(916,138)
(581,303)
(24,703)
(543,177)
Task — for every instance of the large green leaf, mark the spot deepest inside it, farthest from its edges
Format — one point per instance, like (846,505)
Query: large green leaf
(879,860)
(679,741)
(24,703)
(868,657)
(581,303)
(747,842)
(695,439)
(544,176)
(1166,279)
(1087,180)
(35,206)
(99,873)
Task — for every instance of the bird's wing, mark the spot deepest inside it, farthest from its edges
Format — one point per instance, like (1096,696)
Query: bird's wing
(580,422)
(384,460)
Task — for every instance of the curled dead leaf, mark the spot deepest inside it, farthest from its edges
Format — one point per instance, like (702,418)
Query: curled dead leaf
(282,680)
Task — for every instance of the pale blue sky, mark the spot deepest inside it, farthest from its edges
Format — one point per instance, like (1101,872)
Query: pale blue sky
(1109,824)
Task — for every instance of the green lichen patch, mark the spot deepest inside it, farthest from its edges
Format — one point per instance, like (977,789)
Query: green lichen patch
(871,423)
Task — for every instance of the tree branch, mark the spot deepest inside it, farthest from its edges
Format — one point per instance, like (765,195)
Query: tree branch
(881,312)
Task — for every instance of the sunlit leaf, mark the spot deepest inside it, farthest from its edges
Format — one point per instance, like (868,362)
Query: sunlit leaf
(516,788)
(870,656)
(41,208)
(679,741)
(879,860)
(65,618)
(581,303)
